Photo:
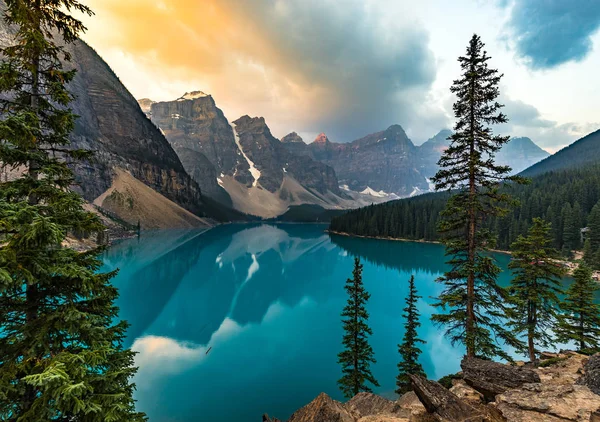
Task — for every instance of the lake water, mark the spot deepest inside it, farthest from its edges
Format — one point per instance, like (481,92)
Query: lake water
(243,320)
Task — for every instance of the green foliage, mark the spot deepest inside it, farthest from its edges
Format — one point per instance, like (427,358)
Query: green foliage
(473,303)
(358,355)
(592,251)
(550,362)
(446,381)
(580,321)
(535,287)
(409,350)
(579,154)
(61,354)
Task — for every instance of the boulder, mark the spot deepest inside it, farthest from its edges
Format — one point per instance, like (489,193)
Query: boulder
(566,371)
(591,374)
(441,402)
(383,418)
(547,403)
(367,404)
(492,378)
(411,402)
(463,391)
(323,409)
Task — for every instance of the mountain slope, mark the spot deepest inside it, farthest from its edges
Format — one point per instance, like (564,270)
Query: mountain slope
(381,162)
(518,153)
(259,174)
(583,151)
(112,124)
(135,202)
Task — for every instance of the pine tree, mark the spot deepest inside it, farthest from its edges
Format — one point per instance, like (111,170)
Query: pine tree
(358,355)
(592,256)
(61,354)
(409,350)
(535,287)
(580,321)
(475,300)
(571,234)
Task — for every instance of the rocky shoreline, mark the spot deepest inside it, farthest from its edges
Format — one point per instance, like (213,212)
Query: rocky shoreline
(563,387)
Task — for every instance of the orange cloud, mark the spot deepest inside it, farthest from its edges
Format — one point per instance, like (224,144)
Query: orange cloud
(305,65)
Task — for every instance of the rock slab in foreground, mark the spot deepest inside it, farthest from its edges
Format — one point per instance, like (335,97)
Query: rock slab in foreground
(493,378)
(441,402)
(322,409)
(368,404)
(548,403)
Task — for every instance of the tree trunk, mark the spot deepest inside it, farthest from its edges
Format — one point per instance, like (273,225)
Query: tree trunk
(470,323)
(531,320)
(581,333)
(31,291)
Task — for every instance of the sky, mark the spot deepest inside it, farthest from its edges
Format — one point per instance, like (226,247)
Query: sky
(353,67)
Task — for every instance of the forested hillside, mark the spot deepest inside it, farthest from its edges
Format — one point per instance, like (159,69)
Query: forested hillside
(582,152)
(565,198)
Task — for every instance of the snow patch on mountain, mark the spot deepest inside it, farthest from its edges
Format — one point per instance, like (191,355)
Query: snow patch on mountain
(253,170)
(380,194)
(192,95)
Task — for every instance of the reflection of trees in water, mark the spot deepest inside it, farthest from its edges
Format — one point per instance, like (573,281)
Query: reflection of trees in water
(405,256)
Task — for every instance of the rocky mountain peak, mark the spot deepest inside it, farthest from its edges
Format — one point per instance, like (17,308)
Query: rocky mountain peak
(292,138)
(146,104)
(192,96)
(441,138)
(321,139)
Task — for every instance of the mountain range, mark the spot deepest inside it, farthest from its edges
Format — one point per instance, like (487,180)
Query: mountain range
(261,175)
(182,163)
(255,172)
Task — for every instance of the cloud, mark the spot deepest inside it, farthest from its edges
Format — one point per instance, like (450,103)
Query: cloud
(526,120)
(305,65)
(548,33)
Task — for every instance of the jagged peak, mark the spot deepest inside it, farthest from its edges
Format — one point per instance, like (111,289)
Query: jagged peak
(192,95)
(291,138)
(321,139)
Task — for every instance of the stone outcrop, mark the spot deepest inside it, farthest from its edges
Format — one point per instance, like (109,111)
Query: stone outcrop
(547,403)
(557,393)
(591,374)
(465,392)
(367,404)
(322,409)
(492,378)
(443,403)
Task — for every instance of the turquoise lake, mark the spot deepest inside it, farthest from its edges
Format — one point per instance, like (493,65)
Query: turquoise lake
(243,320)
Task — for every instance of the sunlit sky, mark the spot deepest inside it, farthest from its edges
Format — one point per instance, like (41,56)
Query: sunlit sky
(353,67)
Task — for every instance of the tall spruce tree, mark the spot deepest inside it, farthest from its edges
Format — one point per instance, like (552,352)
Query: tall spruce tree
(476,303)
(535,287)
(408,349)
(61,354)
(580,321)
(358,355)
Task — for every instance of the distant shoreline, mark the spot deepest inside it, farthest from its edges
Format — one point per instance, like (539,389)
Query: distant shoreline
(402,239)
